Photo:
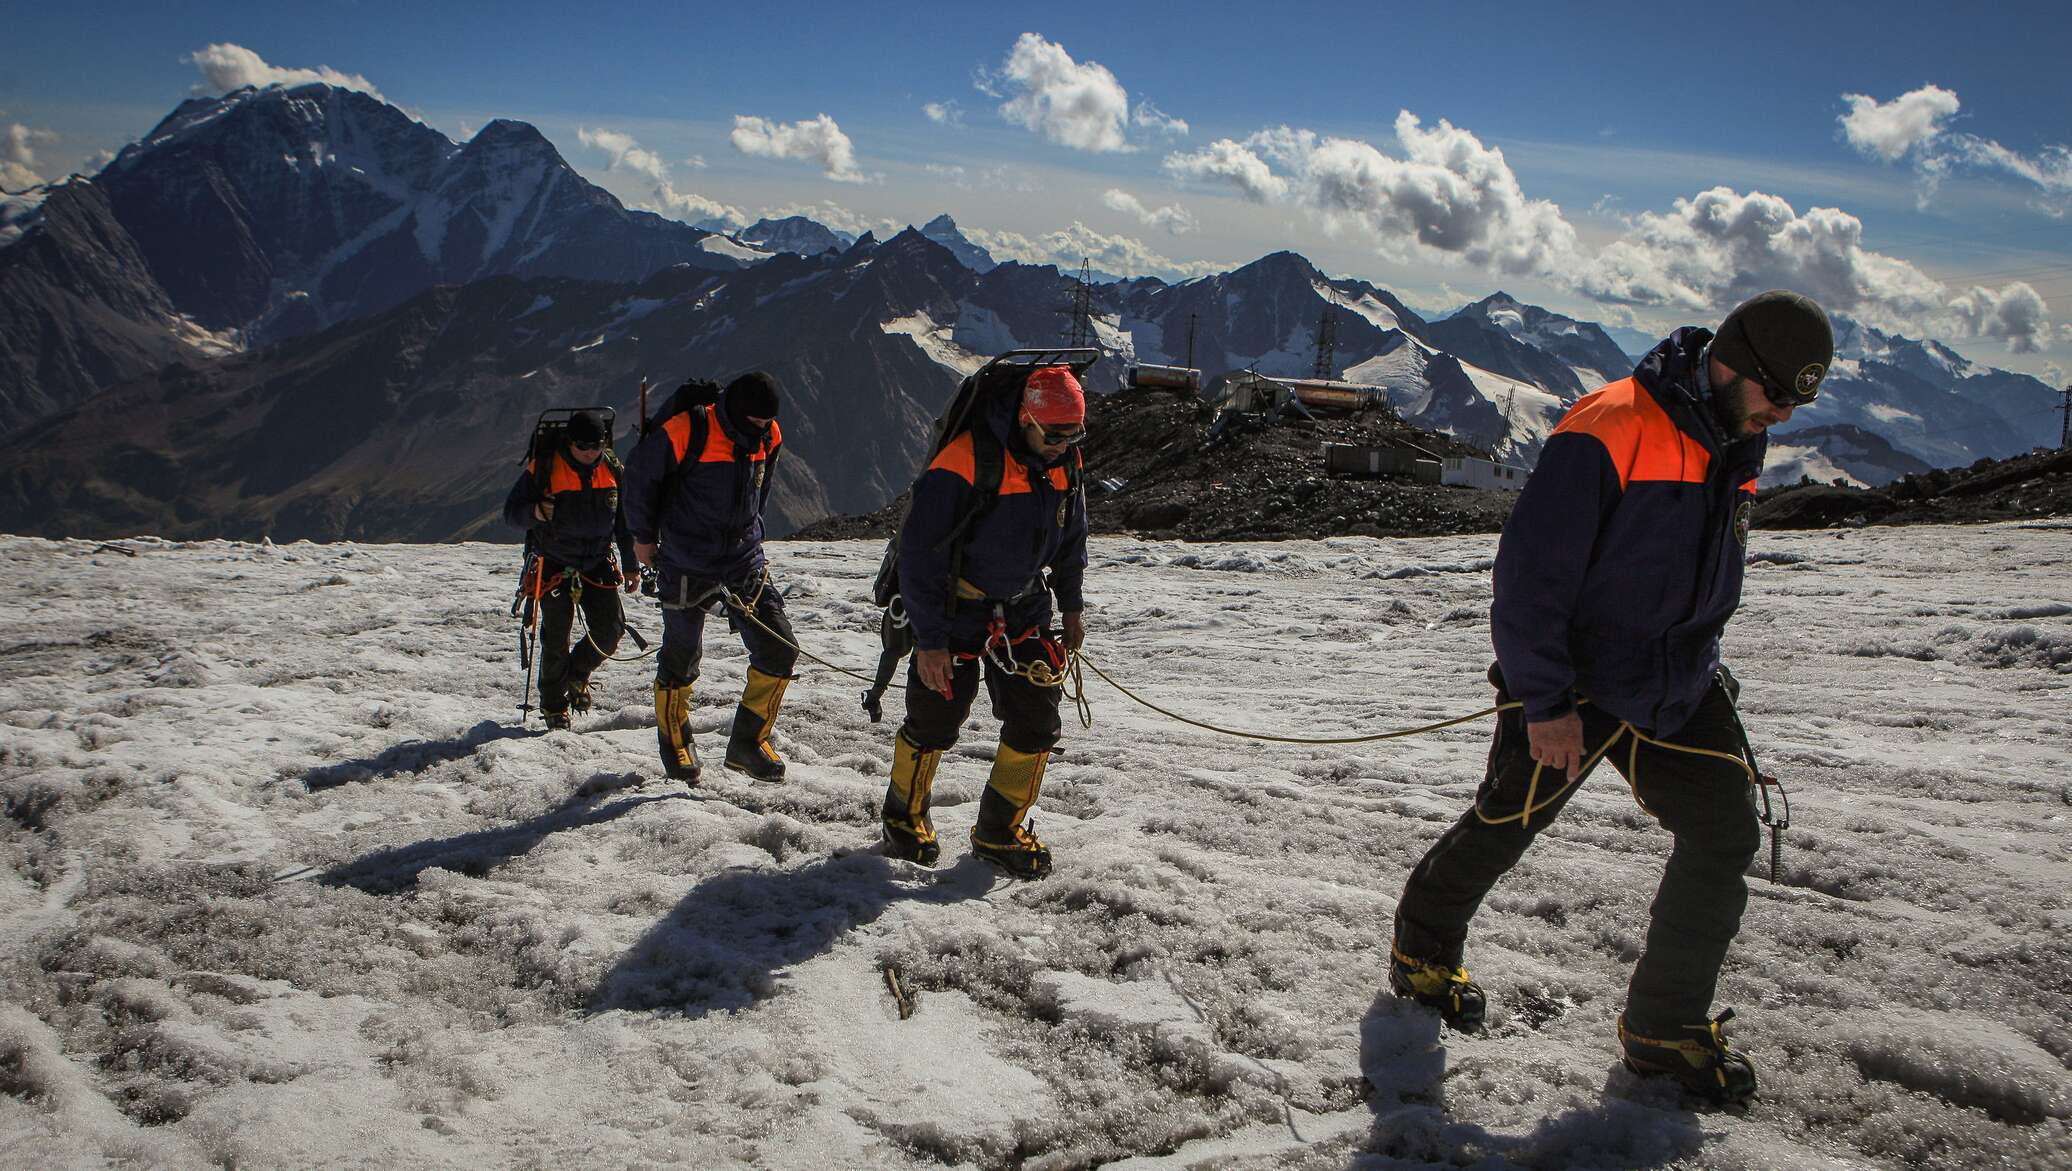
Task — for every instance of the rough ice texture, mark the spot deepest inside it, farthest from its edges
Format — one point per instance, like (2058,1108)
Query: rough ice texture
(284,886)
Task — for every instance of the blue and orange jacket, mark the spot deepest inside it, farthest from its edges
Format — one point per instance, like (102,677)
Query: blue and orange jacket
(587,516)
(1036,524)
(1623,557)
(711,526)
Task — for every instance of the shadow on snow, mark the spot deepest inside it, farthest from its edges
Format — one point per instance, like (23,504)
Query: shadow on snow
(411,756)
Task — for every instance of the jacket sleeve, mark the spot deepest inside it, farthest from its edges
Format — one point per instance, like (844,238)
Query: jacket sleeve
(1068,568)
(940,497)
(770,468)
(647,469)
(518,505)
(1541,562)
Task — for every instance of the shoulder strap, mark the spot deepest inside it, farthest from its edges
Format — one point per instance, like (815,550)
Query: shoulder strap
(693,449)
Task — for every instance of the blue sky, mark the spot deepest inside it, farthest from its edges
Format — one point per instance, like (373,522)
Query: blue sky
(1556,151)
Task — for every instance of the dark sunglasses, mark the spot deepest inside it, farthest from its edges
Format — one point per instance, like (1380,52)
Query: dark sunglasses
(580,446)
(1070,438)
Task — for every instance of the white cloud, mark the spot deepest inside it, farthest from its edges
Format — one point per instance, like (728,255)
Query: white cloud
(1913,123)
(817,140)
(1172,217)
(1449,197)
(944,113)
(1720,246)
(694,162)
(1234,163)
(1888,130)
(2054,374)
(2013,313)
(624,152)
(667,200)
(1067,247)
(225,67)
(1152,118)
(18,156)
(1072,104)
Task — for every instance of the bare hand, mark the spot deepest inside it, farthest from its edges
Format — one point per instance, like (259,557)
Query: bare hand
(543,511)
(645,554)
(934,668)
(1075,630)
(1558,743)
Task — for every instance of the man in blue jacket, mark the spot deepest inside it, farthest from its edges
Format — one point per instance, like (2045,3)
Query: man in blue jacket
(696,487)
(572,513)
(1618,569)
(981,596)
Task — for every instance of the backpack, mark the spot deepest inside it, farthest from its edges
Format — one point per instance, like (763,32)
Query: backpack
(1002,376)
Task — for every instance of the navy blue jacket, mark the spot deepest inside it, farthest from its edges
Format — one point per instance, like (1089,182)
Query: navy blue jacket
(1622,560)
(587,515)
(1036,524)
(710,525)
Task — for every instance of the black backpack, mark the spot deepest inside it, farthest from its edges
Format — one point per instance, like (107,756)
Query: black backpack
(550,434)
(1004,376)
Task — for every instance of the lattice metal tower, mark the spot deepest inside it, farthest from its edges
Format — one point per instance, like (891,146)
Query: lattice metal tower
(1080,310)
(1327,342)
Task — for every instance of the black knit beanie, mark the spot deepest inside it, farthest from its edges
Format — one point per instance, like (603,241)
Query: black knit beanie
(585,427)
(1780,339)
(753,394)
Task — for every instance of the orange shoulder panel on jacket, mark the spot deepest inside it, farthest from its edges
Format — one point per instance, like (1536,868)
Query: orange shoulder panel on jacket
(1642,440)
(602,475)
(564,478)
(1014,478)
(1749,487)
(718,447)
(957,459)
(776,434)
(678,429)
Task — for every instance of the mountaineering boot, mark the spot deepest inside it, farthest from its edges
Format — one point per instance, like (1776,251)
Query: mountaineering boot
(556,721)
(748,748)
(579,695)
(1000,837)
(909,834)
(1699,1059)
(673,732)
(1460,1001)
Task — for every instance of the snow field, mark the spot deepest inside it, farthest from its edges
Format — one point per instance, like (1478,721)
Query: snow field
(284,887)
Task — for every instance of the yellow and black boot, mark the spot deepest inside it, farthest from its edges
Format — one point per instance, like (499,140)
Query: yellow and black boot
(748,748)
(1697,1056)
(1446,987)
(673,732)
(1001,836)
(909,834)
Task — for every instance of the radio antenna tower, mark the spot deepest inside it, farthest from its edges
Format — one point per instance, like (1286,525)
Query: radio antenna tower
(1081,309)
(1327,342)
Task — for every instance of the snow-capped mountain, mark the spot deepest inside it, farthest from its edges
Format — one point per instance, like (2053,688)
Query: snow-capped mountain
(1505,336)
(281,210)
(943,230)
(797,233)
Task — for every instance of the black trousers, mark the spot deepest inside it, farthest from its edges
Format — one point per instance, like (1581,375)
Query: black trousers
(1028,714)
(1706,804)
(561,667)
(683,631)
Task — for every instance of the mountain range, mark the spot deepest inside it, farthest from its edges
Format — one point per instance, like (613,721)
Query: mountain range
(300,312)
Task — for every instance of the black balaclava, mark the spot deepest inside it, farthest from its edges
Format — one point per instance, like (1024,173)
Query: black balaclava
(754,393)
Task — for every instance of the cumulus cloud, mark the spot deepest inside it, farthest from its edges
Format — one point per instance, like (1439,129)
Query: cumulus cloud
(18,156)
(1914,124)
(817,140)
(944,113)
(695,209)
(2014,314)
(1152,118)
(625,153)
(1231,162)
(1718,247)
(2054,374)
(1172,217)
(225,67)
(1067,247)
(1888,130)
(1448,197)
(1071,103)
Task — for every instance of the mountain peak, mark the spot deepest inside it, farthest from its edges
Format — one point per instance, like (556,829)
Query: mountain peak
(940,224)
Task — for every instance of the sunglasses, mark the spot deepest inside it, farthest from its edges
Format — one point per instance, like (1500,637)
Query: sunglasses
(578,446)
(1064,438)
